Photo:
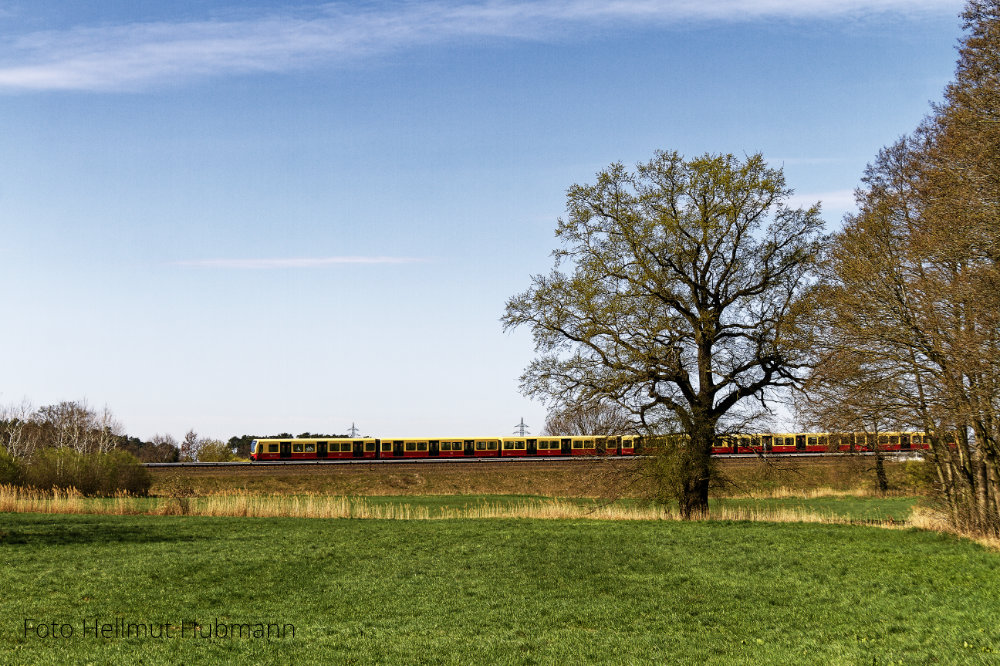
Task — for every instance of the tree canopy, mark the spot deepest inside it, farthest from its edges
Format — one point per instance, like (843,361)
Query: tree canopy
(673,295)
(910,300)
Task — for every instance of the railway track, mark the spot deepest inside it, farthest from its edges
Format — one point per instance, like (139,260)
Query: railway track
(895,455)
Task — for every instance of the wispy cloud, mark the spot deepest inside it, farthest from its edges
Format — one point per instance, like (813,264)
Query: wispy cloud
(837,200)
(804,161)
(139,55)
(293,262)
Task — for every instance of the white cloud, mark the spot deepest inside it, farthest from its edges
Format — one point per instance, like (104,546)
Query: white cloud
(137,55)
(293,262)
(836,200)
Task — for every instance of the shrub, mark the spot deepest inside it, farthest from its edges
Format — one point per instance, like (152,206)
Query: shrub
(215,451)
(10,472)
(94,474)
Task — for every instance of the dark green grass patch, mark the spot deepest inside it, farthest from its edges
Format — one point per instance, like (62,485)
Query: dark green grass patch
(854,508)
(496,591)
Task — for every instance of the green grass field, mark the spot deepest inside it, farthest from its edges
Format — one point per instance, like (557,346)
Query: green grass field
(497,591)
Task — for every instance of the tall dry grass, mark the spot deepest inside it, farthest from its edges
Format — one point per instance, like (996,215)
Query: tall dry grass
(936,521)
(786,492)
(13,499)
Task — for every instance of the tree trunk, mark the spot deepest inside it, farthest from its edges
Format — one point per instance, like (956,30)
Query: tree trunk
(694,471)
(880,476)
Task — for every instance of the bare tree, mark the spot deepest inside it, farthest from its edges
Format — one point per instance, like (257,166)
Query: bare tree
(17,432)
(190,446)
(913,281)
(162,448)
(75,425)
(594,418)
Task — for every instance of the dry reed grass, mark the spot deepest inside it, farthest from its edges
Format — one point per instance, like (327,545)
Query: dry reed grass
(935,521)
(785,492)
(13,499)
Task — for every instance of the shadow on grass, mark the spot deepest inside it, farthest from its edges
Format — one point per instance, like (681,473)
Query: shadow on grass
(56,531)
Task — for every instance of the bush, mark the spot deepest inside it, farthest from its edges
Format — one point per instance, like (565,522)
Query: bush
(215,451)
(94,474)
(10,472)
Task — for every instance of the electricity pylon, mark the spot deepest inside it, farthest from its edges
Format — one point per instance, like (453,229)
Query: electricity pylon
(521,429)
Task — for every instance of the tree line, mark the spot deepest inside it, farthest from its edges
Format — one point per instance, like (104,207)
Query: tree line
(74,425)
(692,296)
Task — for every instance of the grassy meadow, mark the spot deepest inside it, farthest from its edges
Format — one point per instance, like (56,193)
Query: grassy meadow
(795,566)
(496,591)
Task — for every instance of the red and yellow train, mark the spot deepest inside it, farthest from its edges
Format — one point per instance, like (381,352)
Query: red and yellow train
(496,447)
(453,447)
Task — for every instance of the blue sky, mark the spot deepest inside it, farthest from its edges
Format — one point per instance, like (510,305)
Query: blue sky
(256,217)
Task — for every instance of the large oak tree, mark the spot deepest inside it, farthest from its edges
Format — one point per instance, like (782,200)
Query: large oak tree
(674,294)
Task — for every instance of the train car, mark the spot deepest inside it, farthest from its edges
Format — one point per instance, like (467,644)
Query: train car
(452,448)
(341,448)
(405,448)
(815,442)
(899,441)
(628,444)
(548,446)
(517,446)
(783,442)
(581,446)
(477,447)
(483,447)
(312,449)
(265,449)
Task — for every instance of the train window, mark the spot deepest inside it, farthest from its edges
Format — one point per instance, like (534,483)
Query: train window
(272,448)
(508,446)
(411,446)
(480,446)
(386,446)
(492,446)
(421,446)
(296,448)
(446,446)
(345,447)
(310,448)
(883,439)
(811,441)
(520,446)
(370,447)
(588,443)
(577,444)
(894,440)
(823,440)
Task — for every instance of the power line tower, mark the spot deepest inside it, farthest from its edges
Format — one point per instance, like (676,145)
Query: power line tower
(354,431)
(521,429)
